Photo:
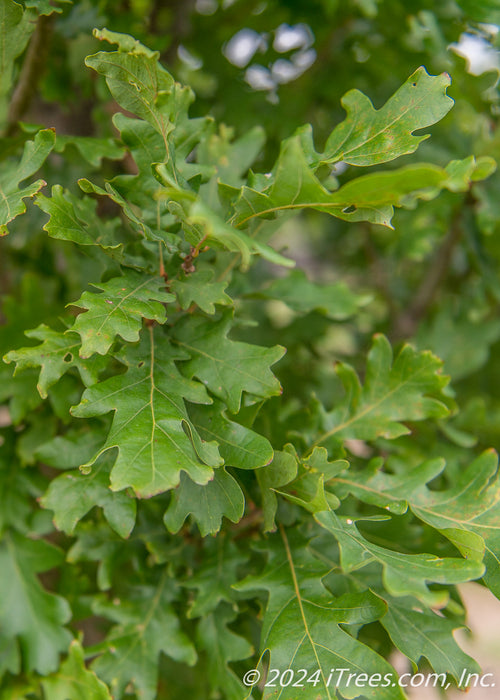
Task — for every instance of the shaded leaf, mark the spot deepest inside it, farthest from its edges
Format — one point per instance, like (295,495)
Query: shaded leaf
(216,230)
(46,7)
(95,541)
(146,626)
(223,646)
(280,472)
(135,217)
(75,219)
(309,490)
(336,301)
(213,580)
(91,148)
(72,495)
(239,446)
(227,367)
(482,11)
(67,451)
(232,159)
(11,195)
(199,288)
(461,342)
(28,612)
(18,487)
(207,504)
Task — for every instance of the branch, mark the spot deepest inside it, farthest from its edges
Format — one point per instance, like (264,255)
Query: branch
(31,72)
(180,27)
(407,322)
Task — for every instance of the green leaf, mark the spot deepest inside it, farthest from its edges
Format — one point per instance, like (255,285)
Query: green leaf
(125,42)
(151,428)
(232,159)
(119,310)
(368,136)
(336,301)
(280,472)
(72,495)
(418,633)
(29,614)
(16,27)
(301,626)
(462,172)
(295,187)
(95,542)
(198,288)
(239,446)
(216,230)
(463,343)
(309,490)
(17,488)
(467,513)
(136,80)
(55,355)
(208,504)
(227,367)
(403,574)
(367,198)
(222,646)
(11,195)
(146,626)
(45,7)
(129,208)
(91,148)
(388,491)
(67,451)
(144,143)
(74,680)
(214,578)
(75,219)
(408,389)
(23,394)
(482,11)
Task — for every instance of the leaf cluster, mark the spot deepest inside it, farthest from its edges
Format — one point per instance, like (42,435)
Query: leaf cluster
(221,448)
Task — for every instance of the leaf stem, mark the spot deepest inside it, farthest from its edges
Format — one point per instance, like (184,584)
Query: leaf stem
(160,252)
(299,601)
